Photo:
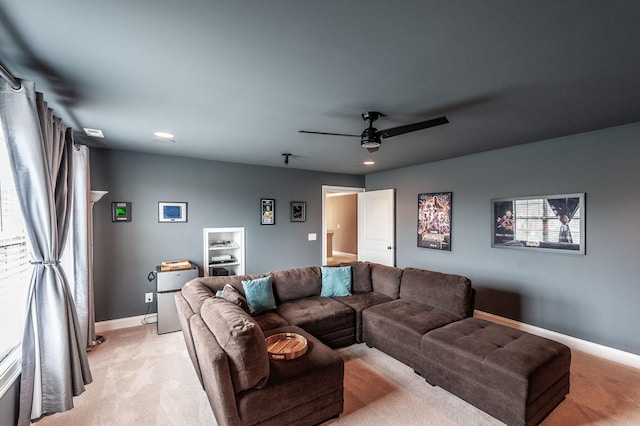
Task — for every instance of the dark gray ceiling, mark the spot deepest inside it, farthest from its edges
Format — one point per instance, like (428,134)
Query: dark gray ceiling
(236,80)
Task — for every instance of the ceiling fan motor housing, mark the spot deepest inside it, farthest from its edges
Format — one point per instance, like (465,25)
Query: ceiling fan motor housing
(370,138)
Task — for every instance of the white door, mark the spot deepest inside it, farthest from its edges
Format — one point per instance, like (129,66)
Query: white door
(376,227)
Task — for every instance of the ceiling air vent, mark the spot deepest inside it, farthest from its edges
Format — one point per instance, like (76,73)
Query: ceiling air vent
(94,133)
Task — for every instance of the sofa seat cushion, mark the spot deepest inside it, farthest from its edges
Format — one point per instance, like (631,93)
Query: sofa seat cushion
(513,375)
(297,283)
(242,340)
(324,317)
(296,388)
(359,302)
(270,320)
(397,327)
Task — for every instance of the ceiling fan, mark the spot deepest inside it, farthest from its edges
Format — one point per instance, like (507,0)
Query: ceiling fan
(371,138)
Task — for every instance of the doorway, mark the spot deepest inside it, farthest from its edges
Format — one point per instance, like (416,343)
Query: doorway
(339,224)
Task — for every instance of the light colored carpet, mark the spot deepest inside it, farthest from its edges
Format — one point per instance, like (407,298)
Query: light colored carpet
(141,378)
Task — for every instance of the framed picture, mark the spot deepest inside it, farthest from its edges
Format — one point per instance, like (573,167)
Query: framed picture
(169,211)
(434,220)
(540,223)
(267,211)
(298,211)
(120,211)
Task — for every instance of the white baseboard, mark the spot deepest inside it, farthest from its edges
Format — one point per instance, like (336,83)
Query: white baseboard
(119,323)
(601,351)
(342,253)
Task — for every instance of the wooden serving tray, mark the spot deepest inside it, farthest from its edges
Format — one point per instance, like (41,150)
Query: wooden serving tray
(285,346)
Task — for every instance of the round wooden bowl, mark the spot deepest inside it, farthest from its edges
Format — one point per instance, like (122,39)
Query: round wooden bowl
(286,346)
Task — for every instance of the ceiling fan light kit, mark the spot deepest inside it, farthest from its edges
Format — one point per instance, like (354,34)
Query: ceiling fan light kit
(370,138)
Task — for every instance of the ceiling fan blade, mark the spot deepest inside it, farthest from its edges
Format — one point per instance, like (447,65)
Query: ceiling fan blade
(400,130)
(327,133)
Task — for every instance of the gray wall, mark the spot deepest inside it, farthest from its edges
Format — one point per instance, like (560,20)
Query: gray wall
(592,297)
(218,195)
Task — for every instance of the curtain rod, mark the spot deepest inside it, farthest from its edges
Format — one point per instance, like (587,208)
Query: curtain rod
(13,82)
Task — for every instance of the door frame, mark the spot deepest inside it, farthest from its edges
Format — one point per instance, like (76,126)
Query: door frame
(326,190)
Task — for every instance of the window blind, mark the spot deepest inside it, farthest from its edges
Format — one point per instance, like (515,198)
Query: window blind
(14,260)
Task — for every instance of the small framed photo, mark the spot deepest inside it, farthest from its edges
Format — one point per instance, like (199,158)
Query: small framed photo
(267,211)
(169,211)
(121,211)
(298,211)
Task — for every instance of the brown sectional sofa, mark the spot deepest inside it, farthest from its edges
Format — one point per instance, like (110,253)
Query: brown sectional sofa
(422,318)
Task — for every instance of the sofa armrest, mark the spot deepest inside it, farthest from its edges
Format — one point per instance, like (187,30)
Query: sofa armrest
(184,315)
(216,375)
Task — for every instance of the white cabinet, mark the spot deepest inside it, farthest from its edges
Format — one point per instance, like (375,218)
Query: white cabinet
(224,251)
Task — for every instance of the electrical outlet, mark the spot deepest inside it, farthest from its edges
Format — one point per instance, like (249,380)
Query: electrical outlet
(148,298)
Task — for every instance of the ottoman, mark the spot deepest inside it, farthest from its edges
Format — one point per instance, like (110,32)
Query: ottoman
(513,375)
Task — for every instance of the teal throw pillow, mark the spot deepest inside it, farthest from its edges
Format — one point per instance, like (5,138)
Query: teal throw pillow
(259,295)
(336,281)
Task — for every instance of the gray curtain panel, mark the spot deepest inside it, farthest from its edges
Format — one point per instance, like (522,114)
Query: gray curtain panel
(82,281)
(54,361)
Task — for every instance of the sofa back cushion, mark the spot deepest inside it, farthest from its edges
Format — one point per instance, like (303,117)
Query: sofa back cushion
(297,283)
(360,276)
(448,292)
(242,340)
(195,294)
(386,279)
(200,289)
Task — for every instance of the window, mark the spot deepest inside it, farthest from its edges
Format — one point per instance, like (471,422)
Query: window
(537,221)
(14,266)
(547,223)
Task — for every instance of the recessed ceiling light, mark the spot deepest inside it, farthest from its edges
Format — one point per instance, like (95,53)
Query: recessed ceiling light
(369,163)
(94,133)
(164,135)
